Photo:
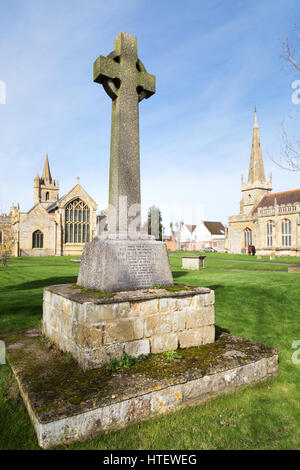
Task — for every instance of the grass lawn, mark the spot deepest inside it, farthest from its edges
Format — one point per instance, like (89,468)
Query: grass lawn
(262,306)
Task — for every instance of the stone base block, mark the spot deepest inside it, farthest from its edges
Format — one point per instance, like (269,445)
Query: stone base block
(294,269)
(86,403)
(118,265)
(95,327)
(193,262)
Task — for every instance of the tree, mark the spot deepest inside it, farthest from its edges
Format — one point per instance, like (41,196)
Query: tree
(6,246)
(155,227)
(290,153)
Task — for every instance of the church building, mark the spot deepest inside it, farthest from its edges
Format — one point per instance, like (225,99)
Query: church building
(54,225)
(269,221)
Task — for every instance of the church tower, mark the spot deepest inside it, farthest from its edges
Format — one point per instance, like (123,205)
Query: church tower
(256,187)
(46,189)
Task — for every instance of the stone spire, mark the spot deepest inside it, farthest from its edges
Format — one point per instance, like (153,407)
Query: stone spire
(256,186)
(256,169)
(46,176)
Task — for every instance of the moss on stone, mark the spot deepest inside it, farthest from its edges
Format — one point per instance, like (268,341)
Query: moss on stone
(100,294)
(56,386)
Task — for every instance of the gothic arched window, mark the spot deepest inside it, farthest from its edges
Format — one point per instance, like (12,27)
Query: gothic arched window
(286,233)
(37,239)
(77,226)
(270,226)
(1,238)
(247,237)
(47,196)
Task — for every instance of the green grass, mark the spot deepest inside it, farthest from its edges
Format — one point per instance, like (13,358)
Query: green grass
(261,306)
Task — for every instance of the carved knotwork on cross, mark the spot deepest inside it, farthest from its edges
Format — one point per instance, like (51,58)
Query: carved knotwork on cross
(122,66)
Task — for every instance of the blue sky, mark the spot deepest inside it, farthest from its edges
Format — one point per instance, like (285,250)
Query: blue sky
(213,61)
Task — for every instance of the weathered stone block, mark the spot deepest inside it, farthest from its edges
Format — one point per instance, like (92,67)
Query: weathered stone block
(167,305)
(47,296)
(179,320)
(193,262)
(183,303)
(66,307)
(166,399)
(87,337)
(145,308)
(99,357)
(136,322)
(123,330)
(209,299)
(97,313)
(204,317)
(158,324)
(163,343)
(135,348)
(197,336)
(78,312)
(198,301)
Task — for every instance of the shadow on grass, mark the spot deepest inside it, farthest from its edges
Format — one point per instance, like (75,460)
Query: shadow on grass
(37,284)
(220,330)
(179,273)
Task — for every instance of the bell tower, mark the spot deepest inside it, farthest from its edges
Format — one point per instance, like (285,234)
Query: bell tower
(46,189)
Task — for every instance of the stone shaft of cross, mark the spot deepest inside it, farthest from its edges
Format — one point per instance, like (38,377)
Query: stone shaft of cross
(127,82)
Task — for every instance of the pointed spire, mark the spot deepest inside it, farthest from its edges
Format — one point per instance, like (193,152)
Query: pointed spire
(256,169)
(255,118)
(46,176)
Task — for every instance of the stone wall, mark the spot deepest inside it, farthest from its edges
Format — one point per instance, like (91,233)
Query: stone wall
(95,332)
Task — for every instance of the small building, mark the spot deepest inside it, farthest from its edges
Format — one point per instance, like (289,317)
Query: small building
(189,237)
(54,225)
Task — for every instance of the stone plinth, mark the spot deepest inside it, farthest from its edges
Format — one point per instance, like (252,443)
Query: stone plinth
(99,400)
(94,327)
(118,265)
(294,269)
(193,262)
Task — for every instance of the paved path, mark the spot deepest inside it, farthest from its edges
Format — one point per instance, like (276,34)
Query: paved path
(259,262)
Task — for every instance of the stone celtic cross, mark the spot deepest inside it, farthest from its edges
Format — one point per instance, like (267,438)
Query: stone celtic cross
(127,82)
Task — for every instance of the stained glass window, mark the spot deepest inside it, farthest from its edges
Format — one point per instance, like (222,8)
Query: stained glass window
(77,226)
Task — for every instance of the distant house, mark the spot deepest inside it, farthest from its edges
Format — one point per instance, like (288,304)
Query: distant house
(196,237)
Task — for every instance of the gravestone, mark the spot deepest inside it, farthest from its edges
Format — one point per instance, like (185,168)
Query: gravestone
(193,261)
(124,257)
(294,269)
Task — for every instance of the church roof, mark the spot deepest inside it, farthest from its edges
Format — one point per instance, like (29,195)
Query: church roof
(284,197)
(215,228)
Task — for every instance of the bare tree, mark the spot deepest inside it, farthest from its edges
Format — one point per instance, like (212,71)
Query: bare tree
(6,247)
(290,152)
